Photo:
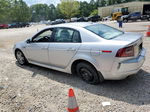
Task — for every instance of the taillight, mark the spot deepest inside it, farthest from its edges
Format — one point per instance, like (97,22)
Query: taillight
(125,52)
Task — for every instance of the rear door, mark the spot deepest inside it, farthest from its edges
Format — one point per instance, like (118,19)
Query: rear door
(65,44)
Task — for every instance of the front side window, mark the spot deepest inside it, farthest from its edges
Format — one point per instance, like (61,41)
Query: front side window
(66,35)
(44,36)
(104,31)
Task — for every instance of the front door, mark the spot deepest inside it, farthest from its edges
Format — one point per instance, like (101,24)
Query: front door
(37,49)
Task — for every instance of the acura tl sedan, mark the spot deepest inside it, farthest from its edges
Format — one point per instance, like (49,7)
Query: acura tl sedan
(93,51)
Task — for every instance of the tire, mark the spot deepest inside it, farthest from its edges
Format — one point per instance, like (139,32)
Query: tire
(125,20)
(21,59)
(88,73)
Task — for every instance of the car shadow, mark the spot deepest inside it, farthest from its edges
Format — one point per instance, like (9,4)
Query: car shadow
(134,89)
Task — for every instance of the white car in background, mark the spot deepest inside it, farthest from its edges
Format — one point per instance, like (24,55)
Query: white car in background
(108,18)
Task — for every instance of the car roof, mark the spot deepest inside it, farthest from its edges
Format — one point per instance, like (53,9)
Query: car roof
(74,24)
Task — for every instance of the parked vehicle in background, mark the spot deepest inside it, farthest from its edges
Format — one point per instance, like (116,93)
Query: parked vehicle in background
(93,51)
(146,12)
(14,25)
(95,18)
(24,24)
(4,26)
(133,17)
(115,15)
(19,25)
(81,19)
(108,18)
(73,19)
(120,11)
(145,15)
(57,21)
(48,22)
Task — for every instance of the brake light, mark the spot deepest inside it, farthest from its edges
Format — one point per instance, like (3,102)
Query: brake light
(125,52)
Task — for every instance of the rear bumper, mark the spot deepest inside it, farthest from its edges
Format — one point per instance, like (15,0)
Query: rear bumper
(121,70)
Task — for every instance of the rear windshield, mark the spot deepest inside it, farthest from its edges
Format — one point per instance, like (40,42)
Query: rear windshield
(104,31)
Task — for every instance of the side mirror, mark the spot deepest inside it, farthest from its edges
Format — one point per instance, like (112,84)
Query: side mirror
(28,41)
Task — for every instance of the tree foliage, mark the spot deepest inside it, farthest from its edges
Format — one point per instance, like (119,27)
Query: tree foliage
(94,12)
(39,12)
(18,11)
(69,8)
(84,9)
(14,11)
(4,9)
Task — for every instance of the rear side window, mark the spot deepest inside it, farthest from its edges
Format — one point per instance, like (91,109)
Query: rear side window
(76,37)
(66,35)
(104,31)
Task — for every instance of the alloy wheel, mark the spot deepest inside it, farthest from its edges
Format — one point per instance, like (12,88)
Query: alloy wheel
(20,57)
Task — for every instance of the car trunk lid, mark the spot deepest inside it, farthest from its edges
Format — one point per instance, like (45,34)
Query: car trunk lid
(133,39)
(130,37)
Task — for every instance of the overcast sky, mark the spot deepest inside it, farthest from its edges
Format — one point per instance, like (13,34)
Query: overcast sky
(55,2)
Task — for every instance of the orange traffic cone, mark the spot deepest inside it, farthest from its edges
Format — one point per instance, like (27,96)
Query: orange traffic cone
(148,32)
(72,103)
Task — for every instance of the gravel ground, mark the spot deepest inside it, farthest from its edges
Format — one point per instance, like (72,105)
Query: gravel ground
(35,89)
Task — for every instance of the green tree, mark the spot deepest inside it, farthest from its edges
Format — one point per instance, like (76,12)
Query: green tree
(4,11)
(100,3)
(40,12)
(59,14)
(19,12)
(94,12)
(69,8)
(93,5)
(84,9)
(52,12)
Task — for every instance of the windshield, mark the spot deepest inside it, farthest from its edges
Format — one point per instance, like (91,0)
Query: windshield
(104,31)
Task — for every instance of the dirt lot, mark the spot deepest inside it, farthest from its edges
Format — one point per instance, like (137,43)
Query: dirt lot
(36,89)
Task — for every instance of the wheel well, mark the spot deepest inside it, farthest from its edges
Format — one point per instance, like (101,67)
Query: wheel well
(74,65)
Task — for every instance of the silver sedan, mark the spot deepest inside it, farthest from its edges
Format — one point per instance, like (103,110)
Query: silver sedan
(93,51)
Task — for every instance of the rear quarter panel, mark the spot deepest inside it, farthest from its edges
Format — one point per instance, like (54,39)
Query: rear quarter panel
(92,52)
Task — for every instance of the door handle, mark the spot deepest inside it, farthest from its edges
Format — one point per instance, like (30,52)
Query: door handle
(44,48)
(71,49)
